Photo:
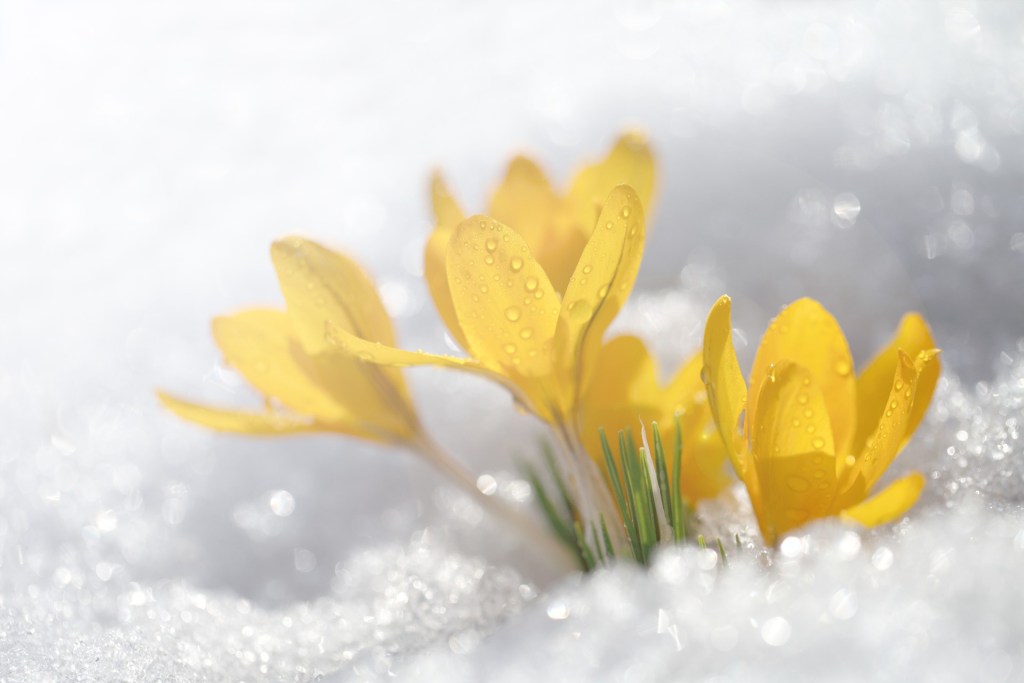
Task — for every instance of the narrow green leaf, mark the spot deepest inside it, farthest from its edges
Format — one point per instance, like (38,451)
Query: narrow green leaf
(556,474)
(661,468)
(609,548)
(678,507)
(634,499)
(554,519)
(585,552)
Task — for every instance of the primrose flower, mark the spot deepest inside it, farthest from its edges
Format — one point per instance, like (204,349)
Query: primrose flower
(815,438)
(529,291)
(308,385)
(625,392)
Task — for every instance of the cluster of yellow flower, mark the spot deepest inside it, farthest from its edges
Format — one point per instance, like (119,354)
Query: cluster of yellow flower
(528,291)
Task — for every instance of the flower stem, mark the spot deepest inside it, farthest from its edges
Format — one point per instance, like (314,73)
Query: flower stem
(536,535)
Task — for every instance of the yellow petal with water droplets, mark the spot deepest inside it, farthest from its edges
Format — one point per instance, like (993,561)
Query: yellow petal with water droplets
(888,505)
(875,382)
(447,213)
(794,454)
(805,333)
(629,162)
(929,367)
(320,285)
(882,447)
(727,391)
(435,271)
(236,421)
(504,301)
(260,344)
(601,283)
(379,354)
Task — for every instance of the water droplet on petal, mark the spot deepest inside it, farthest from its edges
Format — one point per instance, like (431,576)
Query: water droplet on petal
(843,368)
(513,313)
(526,333)
(798,483)
(509,349)
(491,244)
(516,264)
(818,442)
(531,284)
(625,212)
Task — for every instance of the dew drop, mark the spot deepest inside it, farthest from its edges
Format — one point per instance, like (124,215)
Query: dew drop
(483,289)
(580,309)
(798,483)
(603,292)
(587,269)
(609,225)
(809,429)
(516,264)
(843,368)
(531,284)
(899,385)
(489,260)
(625,212)
(802,399)
(509,349)
(818,442)
(513,313)
(491,244)
(526,333)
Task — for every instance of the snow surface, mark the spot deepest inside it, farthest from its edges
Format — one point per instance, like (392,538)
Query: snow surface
(867,154)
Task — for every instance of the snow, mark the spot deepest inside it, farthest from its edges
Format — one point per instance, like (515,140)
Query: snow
(866,154)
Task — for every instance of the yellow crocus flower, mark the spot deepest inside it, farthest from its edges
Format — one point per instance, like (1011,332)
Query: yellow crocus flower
(625,392)
(307,384)
(311,386)
(529,291)
(813,438)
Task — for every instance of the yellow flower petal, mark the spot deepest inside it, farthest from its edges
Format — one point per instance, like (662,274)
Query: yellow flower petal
(704,454)
(882,447)
(928,370)
(435,272)
(602,281)
(805,333)
(319,285)
(686,387)
(888,505)
(623,391)
(259,344)
(630,162)
(793,450)
(447,213)
(505,303)
(875,382)
(524,200)
(727,392)
(240,422)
